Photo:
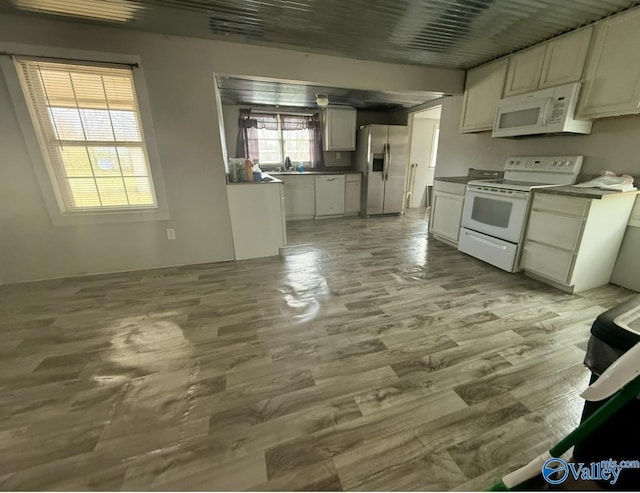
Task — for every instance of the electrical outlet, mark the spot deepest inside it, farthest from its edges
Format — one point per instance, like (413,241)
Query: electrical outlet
(337,155)
(171,234)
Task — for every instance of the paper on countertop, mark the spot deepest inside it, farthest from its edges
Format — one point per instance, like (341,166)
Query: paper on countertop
(610,181)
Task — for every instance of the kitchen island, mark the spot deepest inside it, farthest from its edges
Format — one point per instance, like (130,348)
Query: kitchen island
(257,218)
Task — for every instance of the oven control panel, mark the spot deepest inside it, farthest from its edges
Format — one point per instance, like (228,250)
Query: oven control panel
(548,164)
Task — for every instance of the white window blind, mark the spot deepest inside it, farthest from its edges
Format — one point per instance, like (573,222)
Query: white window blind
(88,125)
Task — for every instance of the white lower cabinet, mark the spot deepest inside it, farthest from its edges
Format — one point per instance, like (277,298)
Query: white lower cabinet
(299,196)
(309,196)
(269,225)
(446,211)
(352,193)
(573,242)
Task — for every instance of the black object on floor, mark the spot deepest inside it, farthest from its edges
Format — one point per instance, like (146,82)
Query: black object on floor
(619,438)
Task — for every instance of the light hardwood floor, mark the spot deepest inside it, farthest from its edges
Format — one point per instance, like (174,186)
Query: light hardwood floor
(369,357)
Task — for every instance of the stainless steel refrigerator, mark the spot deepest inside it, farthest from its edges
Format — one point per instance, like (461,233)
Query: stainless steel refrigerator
(382,155)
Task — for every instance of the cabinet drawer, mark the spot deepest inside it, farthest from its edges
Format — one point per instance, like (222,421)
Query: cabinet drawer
(557,203)
(350,177)
(547,261)
(449,187)
(555,230)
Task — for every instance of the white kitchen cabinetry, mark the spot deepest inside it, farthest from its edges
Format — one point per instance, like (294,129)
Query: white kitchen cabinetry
(612,80)
(257,219)
(482,92)
(556,62)
(524,70)
(352,193)
(330,190)
(565,57)
(446,211)
(299,196)
(339,129)
(571,242)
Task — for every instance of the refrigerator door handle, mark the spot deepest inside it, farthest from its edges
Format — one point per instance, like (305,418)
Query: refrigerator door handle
(387,158)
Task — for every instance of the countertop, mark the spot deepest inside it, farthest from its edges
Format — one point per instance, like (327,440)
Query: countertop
(264,175)
(455,179)
(337,172)
(586,193)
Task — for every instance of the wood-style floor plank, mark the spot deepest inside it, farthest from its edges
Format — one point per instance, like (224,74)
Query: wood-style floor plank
(367,357)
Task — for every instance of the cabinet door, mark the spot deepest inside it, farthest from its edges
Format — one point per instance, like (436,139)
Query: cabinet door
(483,91)
(564,60)
(447,215)
(547,261)
(524,70)
(288,199)
(304,193)
(352,196)
(340,129)
(555,230)
(612,81)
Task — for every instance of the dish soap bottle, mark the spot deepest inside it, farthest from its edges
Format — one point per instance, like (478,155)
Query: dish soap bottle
(257,172)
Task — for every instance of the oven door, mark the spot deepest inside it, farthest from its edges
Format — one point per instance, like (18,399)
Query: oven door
(496,212)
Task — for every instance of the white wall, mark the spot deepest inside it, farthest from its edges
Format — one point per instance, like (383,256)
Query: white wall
(179,79)
(612,145)
(420,154)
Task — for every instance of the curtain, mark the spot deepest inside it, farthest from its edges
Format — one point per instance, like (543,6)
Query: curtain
(249,123)
(311,126)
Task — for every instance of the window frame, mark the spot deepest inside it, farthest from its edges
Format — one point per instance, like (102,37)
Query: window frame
(39,157)
(281,140)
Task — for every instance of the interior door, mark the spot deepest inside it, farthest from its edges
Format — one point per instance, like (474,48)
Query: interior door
(376,163)
(397,158)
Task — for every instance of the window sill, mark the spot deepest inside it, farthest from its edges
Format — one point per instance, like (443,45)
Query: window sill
(78,218)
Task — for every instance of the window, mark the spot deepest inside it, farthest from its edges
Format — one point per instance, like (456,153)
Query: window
(280,136)
(88,124)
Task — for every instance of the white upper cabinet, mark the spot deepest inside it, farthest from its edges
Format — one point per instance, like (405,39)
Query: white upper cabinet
(564,58)
(556,62)
(524,70)
(612,80)
(339,129)
(483,91)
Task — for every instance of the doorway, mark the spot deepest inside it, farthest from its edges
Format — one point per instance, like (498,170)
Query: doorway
(425,134)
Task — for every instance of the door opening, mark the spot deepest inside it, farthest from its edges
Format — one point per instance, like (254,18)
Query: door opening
(425,134)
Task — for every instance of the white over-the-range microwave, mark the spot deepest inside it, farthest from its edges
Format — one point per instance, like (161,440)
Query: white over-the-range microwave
(547,111)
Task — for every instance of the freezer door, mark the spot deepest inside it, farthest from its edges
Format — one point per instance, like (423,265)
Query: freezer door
(376,168)
(397,159)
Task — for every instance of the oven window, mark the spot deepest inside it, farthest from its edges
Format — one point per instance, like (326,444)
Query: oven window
(491,212)
(522,118)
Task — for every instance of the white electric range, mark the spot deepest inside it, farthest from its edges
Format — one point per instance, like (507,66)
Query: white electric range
(495,211)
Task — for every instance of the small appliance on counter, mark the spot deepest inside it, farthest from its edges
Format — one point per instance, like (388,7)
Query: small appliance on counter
(495,211)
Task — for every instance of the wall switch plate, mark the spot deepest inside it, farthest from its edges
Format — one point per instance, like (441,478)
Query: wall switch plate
(337,155)
(171,234)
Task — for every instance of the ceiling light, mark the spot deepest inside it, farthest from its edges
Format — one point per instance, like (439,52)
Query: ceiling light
(116,10)
(322,100)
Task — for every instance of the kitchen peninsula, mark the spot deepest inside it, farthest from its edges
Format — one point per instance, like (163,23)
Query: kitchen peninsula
(257,218)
